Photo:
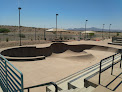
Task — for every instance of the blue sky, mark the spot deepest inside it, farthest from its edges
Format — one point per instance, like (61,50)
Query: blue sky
(72,13)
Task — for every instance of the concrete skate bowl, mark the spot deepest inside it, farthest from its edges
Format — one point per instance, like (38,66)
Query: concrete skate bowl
(58,50)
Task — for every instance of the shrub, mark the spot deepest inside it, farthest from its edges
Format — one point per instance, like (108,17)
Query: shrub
(7,39)
(117,34)
(91,34)
(22,35)
(54,32)
(4,30)
(31,39)
(65,38)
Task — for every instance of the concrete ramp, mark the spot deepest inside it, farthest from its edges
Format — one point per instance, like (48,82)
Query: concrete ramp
(74,56)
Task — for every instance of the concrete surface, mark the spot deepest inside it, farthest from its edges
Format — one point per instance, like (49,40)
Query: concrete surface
(60,65)
(1,89)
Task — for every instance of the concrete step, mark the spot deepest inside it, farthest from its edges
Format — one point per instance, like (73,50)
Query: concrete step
(106,77)
(108,80)
(89,89)
(117,41)
(104,89)
(119,89)
(115,83)
(79,82)
(64,84)
(71,90)
(101,89)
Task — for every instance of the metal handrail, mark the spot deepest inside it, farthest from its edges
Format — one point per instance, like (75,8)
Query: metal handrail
(11,64)
(6,73)
(113,56)
(49,83)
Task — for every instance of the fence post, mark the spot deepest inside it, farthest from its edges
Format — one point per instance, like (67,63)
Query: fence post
(6,76)
(112,66)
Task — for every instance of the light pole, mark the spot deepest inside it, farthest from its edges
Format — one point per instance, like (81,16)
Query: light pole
(102,30)
(19,25)
(35,33)
(56,25)
(80,36)
(44,34)
(109,30)
(85,28)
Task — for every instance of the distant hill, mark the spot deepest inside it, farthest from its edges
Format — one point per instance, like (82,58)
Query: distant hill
(94,29)
(23,28)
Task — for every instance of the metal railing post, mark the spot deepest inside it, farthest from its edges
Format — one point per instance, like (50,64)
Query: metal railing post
(56,87)
(28,90)
(6,76)
(100,71)
(49,83)
(112,66)
(22,90)
(121,61)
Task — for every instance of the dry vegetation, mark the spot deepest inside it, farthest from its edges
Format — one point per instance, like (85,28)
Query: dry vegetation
(30,36)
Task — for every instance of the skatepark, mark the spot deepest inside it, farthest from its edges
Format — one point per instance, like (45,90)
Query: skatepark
(56,61)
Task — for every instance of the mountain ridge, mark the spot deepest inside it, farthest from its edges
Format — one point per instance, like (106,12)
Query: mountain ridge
(94,29)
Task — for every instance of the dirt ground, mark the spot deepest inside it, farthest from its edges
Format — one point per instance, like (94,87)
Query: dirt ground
(4,44)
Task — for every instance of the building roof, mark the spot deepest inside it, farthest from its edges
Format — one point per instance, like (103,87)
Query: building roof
(88,32)
(54,29)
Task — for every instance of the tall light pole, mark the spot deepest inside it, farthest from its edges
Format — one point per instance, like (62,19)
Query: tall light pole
(85,28)
(56,25)
(44,34)
(80,36)
(35,33)
(102,30)
(19,8)
(109,30)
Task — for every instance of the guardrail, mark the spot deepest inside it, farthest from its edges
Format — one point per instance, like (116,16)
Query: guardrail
(50,83)
(113,57)
(11,79)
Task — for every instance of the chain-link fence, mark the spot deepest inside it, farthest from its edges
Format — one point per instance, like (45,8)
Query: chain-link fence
(41,35)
